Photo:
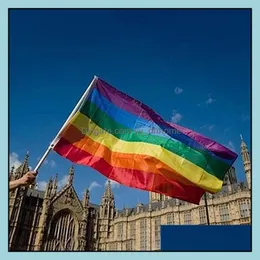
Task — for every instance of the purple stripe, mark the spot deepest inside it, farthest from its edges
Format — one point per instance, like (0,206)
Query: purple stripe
(209,144)
(137,108)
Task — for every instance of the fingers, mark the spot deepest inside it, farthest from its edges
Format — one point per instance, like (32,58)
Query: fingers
(30,176)
(33,172)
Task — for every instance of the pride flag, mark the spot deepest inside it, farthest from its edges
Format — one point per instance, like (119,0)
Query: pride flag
(128,142)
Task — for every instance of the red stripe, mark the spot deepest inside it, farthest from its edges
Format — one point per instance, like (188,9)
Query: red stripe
(130,177)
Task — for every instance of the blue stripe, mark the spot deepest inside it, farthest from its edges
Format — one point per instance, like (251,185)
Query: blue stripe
(133,122)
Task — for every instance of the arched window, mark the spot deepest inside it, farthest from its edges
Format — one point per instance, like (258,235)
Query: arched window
(62,233)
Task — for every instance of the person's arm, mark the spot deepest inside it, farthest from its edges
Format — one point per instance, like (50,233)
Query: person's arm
(14,184)
(27,179)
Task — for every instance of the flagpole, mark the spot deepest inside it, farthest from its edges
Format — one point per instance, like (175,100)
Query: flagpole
(207,210)
(65,124)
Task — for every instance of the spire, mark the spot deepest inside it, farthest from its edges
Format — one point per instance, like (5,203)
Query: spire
(12,170)
(247,162)
(85,204)
(56,179)
(108,191)
(243,145)
(25,162)
(48,190)
(24,167)
(71,175)
(55,184)
(107,202)
(12,175)
(86,198)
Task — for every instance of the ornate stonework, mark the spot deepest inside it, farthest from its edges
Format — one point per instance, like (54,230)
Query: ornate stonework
(53,220)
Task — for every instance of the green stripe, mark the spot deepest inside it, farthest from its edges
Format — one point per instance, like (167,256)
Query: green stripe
(205,161)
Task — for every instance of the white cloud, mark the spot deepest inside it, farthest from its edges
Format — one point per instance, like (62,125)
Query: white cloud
(176,117)
(93,185)
(41,185)
(178,90)
(63,181)
(211,127)
(45,162)
(52,163)
(210,101)
(208,127)
(245,117)
(14,160)
(231,146)
(226,130)
(113,184)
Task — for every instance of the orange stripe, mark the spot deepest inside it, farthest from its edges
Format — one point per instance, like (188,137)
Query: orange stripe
(132,178)
(122,160)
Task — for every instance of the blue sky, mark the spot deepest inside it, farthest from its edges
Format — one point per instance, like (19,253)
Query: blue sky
(192,67)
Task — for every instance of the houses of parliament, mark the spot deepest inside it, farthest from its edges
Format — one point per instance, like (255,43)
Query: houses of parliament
(57,220)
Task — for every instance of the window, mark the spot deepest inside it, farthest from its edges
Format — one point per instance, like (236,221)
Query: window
(38,219)
(244,207)
(170,219)
(112,247)
(132,230)
(157,226)
(23,239)
(120,231)
(143,235)
(28,220)
(223,212)
(187,218)
(129,246)
(62,234)
(34,237)
(202,214)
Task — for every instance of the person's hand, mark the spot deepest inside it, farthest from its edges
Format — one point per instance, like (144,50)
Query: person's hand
(28,178)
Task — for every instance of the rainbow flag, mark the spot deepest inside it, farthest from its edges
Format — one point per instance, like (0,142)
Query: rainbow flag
(128,142)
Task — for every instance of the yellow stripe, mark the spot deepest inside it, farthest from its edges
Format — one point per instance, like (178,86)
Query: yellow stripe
(188,170)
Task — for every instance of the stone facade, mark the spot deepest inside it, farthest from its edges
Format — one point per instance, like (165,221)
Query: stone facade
(54,220)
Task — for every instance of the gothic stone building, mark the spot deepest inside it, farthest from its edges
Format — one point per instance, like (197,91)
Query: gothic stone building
(53,220)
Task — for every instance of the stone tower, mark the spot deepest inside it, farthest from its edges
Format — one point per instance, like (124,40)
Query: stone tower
(155,197)
(64,218)
(84,222)
(106,214)
(40,237)
(16,200)
(247,162)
